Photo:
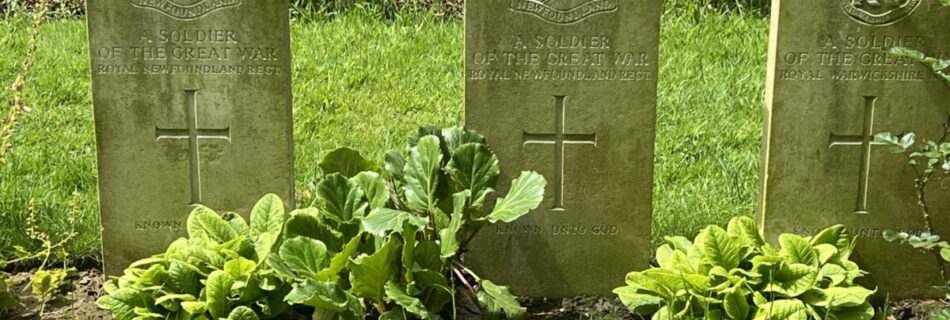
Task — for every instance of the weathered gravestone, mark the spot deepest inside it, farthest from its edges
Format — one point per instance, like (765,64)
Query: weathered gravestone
(830,89)
(567,88)
(193,107)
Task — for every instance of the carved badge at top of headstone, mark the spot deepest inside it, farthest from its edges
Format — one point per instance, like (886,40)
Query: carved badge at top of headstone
(564,11)
(186,9)
(879,12)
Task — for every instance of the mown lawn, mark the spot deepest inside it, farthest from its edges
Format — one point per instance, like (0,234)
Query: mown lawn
(367,84)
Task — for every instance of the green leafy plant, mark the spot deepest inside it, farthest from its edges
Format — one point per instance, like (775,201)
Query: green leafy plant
(8,299)
(733,273)
(389,240)
(930,162)
(46,280)
(218,272)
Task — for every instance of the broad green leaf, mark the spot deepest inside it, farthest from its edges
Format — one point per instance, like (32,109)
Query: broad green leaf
(654,284)
(862,312)
(422,174)
(793,280)
(147,314)
(736,305)
(181,279)
(395,164)
(906,52)
(393,315)
(307,223)
(175,298)
(44,282)
(676,260)
(474,167)
(637,302)
(237,223)
(838,237)
(834,273)
(323,295)
(369,274)
(268,216)
(243,313)
(663,314)
(456,137)
(527,192)
(854,271)
(798,250)
(427,255)
(195,307)
(398,295)
(304,256)
(264,245)
(719,248)
(240,267)
(374,188)
(425,131)
(410,234)
(347,162)
(339,260)
(825,253)
(8,300)
(837,297)
(381,221)
(122,303)
(502,298)
(746,230)
(205,223)
(448,237)
(782,310)
(343,198)
(218,292)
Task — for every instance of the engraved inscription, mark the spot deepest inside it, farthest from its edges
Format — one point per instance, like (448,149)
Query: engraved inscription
(577,57)
(867,232)
(879,12)
(558,230)
(857,57)
(151,225)
(559,139)
(194,134)
(186,9)
(865,141)
(564,11)
(188,52)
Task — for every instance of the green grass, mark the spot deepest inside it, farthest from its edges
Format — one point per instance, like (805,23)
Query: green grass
(367,84)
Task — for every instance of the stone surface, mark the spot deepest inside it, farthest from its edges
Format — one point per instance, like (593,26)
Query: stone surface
(567,88)
(829,89)
(193,106)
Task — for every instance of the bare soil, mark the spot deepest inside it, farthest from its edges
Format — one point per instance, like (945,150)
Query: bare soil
(76,299)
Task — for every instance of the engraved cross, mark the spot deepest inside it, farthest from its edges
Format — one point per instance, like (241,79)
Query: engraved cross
(865,141)
(559,139)
(194,134)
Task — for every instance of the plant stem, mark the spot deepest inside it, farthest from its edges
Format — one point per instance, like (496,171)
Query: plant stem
(10,122)
(921,185)
(462,278)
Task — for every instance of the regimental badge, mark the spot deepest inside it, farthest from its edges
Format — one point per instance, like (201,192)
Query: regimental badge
(564,11)
(879,12)
(186,9)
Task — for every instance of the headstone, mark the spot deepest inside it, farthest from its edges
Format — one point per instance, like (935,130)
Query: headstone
(830,90)
(193,107)
(567,88)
